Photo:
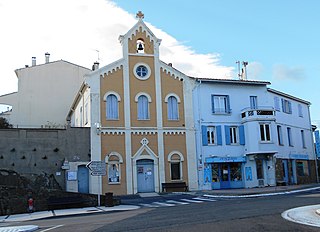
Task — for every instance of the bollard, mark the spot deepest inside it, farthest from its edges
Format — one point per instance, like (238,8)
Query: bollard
(109,199)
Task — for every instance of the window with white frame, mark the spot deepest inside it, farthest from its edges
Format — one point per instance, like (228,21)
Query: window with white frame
(303,139)
(289,133)
(300,110)
(279,132)
(143,108)
(114,161)
(253,102)
(234,135)
(172,104)
(277,103)
(175,160)
(265,135)
(81,116)
(220,104)
(112,107)
(211,135)
(286,106)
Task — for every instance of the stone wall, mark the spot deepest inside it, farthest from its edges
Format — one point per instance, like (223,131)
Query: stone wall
(38,154)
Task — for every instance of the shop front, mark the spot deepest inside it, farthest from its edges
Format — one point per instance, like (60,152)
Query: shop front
(224,172)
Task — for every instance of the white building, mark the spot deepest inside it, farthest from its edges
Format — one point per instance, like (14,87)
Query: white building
(249,135)
(45,93)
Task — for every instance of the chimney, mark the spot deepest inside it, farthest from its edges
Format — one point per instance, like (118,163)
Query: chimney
(47,55)
(34,61)
(95,66)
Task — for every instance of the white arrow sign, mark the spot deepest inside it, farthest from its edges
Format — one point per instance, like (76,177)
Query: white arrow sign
(97,168)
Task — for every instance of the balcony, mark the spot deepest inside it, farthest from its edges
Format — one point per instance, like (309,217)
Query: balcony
(262,113)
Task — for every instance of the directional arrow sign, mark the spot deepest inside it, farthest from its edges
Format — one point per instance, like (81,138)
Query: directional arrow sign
(97,168)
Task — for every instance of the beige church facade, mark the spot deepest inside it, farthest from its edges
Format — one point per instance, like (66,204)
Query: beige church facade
(141,117)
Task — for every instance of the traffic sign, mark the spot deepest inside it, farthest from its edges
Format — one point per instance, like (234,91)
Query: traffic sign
(97,168)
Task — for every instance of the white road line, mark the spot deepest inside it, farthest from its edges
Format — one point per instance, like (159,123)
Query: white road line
(149,205)
(178,202)
(192,201)
(163,204)
(52,228)
(203,199)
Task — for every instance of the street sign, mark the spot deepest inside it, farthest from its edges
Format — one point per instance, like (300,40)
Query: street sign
(97,168)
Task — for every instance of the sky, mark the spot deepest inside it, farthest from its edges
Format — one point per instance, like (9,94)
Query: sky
(280,40)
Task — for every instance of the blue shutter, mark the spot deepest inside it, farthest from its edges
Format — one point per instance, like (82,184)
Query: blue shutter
(283,105)
(204,136)
(242,137)
(219,136)
(227,134)
(228,105)
(290,108)
(212,103)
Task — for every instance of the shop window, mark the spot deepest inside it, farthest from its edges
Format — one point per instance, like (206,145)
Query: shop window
(215,173)
(235,172)
(259,165)
(302,168)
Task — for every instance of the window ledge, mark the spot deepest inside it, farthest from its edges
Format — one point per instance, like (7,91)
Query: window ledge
(114,183)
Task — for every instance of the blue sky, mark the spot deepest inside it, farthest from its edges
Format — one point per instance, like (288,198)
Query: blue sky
(279,38)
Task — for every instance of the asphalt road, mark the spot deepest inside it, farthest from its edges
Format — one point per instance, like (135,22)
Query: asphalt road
(251,214)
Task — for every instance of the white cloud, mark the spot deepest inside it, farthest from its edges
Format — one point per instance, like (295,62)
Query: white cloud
(284,72)
(72,30)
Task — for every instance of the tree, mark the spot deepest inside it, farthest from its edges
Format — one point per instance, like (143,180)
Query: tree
(4,124)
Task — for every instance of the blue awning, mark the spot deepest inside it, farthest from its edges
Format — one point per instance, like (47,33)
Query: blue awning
(225,159)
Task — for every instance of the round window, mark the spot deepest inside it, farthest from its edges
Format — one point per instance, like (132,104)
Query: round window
(142,71)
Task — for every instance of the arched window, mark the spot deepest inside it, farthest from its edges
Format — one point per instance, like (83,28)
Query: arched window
(173,108)
(143,108)
(113,161)
(175,160)
(112,105)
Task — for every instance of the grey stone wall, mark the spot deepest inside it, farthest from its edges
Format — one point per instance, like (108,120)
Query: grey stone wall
(38,154)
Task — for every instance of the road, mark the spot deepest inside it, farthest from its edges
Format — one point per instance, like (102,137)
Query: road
(184,213)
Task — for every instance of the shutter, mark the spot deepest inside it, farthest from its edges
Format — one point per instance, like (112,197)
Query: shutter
(219,136)
(290,108)
(227,134)
(212,103)
(283,105)
(228,105)
(242,137)
(204,135)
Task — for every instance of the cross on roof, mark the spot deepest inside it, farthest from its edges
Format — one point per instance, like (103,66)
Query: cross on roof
(140,15)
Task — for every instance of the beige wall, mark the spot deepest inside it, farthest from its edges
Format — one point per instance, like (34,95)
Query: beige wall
(136,143)
(175,143)
(172,85)
(147,86)
(112,82)
(114,143)
(132,43)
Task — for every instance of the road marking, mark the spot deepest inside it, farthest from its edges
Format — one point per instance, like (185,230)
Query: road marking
(151,206)
(192,201)
(178,202)
(52,228)
(163,204)
(203,199)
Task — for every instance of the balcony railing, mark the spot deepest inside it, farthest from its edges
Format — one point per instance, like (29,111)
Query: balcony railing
(260,113)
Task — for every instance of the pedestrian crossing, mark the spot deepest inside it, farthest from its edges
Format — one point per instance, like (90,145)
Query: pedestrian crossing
(171,203)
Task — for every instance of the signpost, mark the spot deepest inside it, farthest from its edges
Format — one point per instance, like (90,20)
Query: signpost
(97,168)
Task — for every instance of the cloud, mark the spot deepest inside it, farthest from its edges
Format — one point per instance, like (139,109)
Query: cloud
(283,72)
(73,30)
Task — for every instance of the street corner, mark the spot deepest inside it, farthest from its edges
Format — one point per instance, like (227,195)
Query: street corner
(306,215)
